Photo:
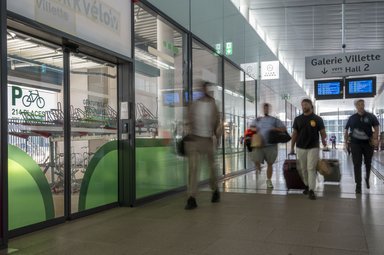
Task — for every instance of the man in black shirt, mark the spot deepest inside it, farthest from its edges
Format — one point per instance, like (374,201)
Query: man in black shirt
(306,128)
(363,140)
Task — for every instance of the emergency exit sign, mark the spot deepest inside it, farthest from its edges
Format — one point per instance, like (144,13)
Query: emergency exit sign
(345,64)
(228,48)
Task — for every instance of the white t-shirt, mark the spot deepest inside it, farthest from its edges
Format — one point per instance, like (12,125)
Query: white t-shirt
(204,117)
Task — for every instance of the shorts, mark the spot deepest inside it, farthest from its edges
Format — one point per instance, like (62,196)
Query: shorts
(268,153)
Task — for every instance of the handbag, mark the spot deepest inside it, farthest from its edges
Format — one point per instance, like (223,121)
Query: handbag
(278,136)
(256,141)
(180,145)
(323,167)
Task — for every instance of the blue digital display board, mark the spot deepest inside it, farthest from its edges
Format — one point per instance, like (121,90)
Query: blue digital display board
(329,89)
(196,95)
(171,98)
(360,87)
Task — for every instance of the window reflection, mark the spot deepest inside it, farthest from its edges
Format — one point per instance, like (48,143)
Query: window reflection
(35,123)
(160,104)
(94,166)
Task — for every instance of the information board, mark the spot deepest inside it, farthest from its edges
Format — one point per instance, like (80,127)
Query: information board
(329,89)
(360,87)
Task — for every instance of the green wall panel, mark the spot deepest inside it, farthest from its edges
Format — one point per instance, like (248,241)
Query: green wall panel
(158,169)
(30,197)
(99,186)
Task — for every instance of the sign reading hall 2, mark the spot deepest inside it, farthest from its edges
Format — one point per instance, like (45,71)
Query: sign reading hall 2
(345,64)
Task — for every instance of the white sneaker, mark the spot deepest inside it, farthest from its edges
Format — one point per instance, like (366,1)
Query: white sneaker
(269,184)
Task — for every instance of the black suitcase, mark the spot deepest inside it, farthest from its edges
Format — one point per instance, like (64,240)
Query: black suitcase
(291,174)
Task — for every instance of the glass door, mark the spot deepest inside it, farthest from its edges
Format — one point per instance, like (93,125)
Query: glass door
(234,118)
(36,150)
(35,130)
(93,149)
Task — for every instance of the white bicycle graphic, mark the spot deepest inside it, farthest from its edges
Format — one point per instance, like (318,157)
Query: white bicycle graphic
(33,97)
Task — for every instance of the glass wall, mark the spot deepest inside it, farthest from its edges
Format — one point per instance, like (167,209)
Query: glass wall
(334,125)
(35,126)
(94,162)
(233,118)
(206,66)
(160,104)
(250,109)
(221,25)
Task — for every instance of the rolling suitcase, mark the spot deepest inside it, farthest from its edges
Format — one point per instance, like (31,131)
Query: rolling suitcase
(335,175)
(291,174)
(334,165)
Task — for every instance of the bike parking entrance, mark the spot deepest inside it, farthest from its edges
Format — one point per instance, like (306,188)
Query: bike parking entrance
(63,134)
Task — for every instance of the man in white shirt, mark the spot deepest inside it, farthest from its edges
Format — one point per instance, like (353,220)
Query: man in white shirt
(204,121)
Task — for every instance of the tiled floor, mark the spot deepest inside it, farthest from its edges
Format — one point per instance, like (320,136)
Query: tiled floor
(248,220)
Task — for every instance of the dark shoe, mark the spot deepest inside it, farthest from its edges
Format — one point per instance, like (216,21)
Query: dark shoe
(306,190)
(367,182)
(215,197)
(191,204)
(358,189)
(312,195)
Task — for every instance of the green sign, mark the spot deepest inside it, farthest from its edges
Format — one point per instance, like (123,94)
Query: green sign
(170,46)
(228,48)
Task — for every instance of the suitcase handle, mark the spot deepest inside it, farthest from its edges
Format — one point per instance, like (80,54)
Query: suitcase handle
(326,149)
(290,155)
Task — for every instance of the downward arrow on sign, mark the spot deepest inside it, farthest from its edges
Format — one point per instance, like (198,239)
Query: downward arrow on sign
(324,71)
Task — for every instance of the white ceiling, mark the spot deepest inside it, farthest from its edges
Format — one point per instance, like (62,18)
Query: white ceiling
(301,28)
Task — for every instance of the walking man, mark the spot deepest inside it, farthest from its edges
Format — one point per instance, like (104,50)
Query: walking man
(362,141)
(204,121)
(267,152)
(305,135)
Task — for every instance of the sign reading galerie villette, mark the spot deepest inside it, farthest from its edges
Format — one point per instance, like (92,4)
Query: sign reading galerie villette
(344,64)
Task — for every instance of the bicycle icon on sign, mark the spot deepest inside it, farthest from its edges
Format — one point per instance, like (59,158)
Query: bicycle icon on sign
(33,97)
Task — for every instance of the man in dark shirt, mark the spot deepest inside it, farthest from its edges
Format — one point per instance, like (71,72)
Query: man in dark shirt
(362,140)
(306,128)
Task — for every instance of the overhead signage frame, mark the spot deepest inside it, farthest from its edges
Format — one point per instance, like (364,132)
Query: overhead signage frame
(344,64)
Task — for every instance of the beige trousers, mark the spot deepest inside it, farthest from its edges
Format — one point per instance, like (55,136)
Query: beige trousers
(196,149)
(307,161)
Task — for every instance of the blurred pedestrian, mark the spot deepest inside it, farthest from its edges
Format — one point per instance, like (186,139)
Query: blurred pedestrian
(204,124)
(306,129)
(333,141)
(363,140)
(268,152)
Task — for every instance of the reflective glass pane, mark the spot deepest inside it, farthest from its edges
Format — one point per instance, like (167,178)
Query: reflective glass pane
(160,105)
(207,23)
(176,9)
(250,108)
(35,126)
(94,164)
(234,118)
(206,66)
